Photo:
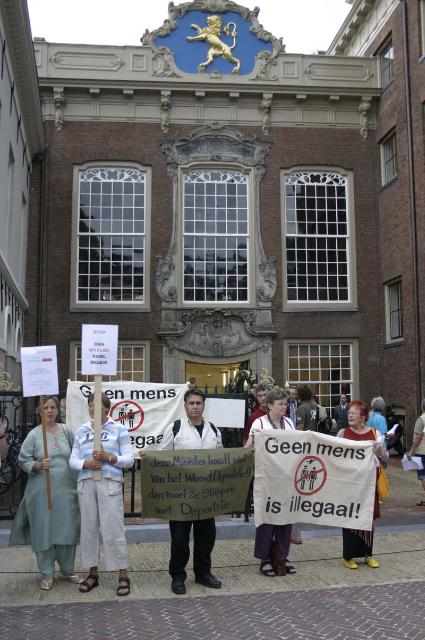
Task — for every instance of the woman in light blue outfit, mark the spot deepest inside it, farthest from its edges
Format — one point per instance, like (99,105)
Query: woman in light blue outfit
(376,418)
(53,533)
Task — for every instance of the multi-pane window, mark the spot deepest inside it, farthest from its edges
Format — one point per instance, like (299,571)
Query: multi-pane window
(389,158)
(386,57)
(215,236)
(111,235)
(394,311)
(326,368)
(317,237)
(130,364)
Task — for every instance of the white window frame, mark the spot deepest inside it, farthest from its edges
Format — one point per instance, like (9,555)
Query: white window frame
(386,159)
(354,357)
(224,167)
(386,63)
(389,287)
(107,305)
(318,305)
(144,344)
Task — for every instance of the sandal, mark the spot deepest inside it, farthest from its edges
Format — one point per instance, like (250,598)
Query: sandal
(266,569)
(91,582)
(46,584)
(123,587)
(71,577)
(290,569)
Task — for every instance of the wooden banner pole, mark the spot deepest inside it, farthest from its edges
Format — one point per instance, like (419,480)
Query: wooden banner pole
(97,417)
(46,453)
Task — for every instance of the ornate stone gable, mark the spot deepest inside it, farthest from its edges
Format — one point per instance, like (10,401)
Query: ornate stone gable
(167,49)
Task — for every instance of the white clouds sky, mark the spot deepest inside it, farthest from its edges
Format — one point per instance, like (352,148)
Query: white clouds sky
(305,25)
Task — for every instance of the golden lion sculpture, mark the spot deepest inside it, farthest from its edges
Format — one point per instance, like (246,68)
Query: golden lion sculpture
(211,34)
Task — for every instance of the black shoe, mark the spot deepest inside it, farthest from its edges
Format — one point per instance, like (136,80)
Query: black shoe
(208,580)
(178,587)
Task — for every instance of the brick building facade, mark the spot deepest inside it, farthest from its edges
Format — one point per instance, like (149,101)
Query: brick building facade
(257,219)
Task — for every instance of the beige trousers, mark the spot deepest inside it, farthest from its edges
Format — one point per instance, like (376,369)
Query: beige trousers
(102,511)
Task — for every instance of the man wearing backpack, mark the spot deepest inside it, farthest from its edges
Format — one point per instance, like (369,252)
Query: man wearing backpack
(192,432)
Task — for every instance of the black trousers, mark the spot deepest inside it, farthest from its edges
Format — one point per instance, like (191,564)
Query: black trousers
(203,544)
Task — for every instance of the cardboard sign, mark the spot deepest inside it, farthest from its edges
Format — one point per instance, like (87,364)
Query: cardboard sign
(99,347)
(39,371)
(225,412)
(304,476)
(195,485)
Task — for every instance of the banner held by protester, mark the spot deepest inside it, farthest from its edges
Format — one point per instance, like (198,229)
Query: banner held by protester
(195,485)
(304,476)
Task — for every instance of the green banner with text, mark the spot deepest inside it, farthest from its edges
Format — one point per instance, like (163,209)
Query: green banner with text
(195,484)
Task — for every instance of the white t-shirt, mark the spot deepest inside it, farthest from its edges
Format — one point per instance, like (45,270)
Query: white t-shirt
(264,423)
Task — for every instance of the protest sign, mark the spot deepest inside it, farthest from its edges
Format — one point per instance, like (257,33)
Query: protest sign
(99,346)
(225,412)
(194,485)
(145,408)
(40,378)
(39,371)
(304,476)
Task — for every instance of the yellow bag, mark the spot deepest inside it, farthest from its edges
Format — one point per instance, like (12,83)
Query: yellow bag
(382,484)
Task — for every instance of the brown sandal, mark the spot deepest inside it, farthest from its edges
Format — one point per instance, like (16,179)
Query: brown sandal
(123,587)
(91,582)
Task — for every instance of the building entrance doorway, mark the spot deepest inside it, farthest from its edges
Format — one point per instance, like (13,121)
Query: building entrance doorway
(215,378)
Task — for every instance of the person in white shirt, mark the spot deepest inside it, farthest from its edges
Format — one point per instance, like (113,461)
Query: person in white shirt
(101,500)
(192,432)
(265,534)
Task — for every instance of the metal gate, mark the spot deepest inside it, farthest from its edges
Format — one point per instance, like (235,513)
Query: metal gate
(13,416)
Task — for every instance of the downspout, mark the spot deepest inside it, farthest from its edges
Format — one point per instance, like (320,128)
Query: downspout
(41,243)
(413,210)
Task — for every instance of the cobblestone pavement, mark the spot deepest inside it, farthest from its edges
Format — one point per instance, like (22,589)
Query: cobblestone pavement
(323,600)
(382,612)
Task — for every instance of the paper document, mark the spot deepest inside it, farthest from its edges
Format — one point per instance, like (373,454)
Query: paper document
(39,371)
(392,431)
(415,463)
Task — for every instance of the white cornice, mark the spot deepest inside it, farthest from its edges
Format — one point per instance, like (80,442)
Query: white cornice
(8,276)
(21,54)
(102,67)
(359,15)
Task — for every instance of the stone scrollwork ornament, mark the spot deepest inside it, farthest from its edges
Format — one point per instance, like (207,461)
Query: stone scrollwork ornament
(59,102)
(364,108)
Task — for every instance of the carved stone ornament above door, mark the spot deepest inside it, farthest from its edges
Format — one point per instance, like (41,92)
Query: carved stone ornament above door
(215,333)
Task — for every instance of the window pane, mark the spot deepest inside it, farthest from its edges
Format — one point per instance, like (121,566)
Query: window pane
(130,364)
(111,235)
(219,236)
(317,241)
(305,367)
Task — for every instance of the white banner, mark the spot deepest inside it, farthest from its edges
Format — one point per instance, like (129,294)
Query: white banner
(144,408)
(304,476)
